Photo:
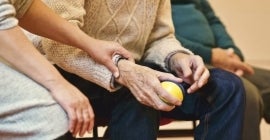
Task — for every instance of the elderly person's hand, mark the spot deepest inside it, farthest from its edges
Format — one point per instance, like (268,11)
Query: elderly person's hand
(144,83)
(191,69)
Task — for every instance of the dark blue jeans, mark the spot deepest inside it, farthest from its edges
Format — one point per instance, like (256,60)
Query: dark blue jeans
(219,106)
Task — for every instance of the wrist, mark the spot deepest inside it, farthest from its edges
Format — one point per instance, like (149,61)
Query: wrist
(175,57)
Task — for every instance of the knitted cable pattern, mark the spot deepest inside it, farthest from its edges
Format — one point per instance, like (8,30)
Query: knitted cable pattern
(144,27)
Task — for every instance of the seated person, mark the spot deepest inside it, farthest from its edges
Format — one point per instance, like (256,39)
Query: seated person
(132,102)
(36,101)
(200,30)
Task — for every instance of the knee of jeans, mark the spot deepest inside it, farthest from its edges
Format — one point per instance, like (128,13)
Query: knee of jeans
(228,84)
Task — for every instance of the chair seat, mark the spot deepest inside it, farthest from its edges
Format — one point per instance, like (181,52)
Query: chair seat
(181,132)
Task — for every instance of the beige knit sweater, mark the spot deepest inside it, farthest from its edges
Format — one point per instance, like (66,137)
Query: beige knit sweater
(144,27)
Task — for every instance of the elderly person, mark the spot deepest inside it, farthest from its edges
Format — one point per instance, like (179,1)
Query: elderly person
(36,101)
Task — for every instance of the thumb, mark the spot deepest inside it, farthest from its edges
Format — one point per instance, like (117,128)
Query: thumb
(113,68)
(230,51)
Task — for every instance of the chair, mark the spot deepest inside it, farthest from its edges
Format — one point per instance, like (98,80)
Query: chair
(162,133)
(75,80)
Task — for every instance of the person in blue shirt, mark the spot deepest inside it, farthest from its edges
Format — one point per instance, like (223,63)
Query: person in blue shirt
(199,29)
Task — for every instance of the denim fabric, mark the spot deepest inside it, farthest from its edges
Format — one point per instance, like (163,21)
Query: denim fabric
(128,119)
(219,106)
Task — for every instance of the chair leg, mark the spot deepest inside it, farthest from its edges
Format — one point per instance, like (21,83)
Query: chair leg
(178,132)
(194,124)
(95,132)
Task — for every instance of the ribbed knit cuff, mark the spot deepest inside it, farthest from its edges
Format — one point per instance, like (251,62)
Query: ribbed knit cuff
(169,56)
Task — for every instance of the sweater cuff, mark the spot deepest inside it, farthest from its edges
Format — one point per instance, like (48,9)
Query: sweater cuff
(22,6)
(7,16)
(169,56)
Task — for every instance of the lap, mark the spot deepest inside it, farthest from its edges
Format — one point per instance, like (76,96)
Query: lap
(27,109)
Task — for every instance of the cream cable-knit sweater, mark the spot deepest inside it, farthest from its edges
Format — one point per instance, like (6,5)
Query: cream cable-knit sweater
(144,27)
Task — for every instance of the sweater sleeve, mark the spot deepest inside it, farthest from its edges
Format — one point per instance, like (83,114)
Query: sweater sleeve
(21,6)
(223,39)
(11,8)
(7,15)
(162,41)
(72,59)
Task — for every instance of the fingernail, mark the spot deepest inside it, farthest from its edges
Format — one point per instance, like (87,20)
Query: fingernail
(116,74)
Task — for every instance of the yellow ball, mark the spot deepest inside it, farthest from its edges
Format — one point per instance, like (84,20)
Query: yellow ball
(173,89)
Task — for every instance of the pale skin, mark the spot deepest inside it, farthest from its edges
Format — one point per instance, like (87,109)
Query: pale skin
(144,82)
(15,46)
(228,60)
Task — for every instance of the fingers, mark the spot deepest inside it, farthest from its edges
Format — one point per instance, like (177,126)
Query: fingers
(201,75)
(241,66)
(248,69)
(193,71)
(72,120)
(79,121)
(82,122)
(203,79)
(92,118)
(149,96)
(123,52)
(239,72)
(88,120)
(167,97)
(244,67)
(81,118)
(230,52)
(119,50)
(198,68)
(113,68)
(168,76)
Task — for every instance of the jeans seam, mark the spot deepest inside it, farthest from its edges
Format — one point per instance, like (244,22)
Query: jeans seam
(206,126)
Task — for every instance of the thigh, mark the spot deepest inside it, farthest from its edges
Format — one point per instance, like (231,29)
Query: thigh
(102,101)
(253,112)
(260,79)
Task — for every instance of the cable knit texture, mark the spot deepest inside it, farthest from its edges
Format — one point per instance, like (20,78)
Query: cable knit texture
(144,27)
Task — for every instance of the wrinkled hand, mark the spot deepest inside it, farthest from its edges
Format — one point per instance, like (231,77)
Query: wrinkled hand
(144,83)
(228,60)
(191,69)
(77,106)
(105,52)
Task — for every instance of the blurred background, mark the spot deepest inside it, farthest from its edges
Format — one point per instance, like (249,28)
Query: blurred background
(248,22)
